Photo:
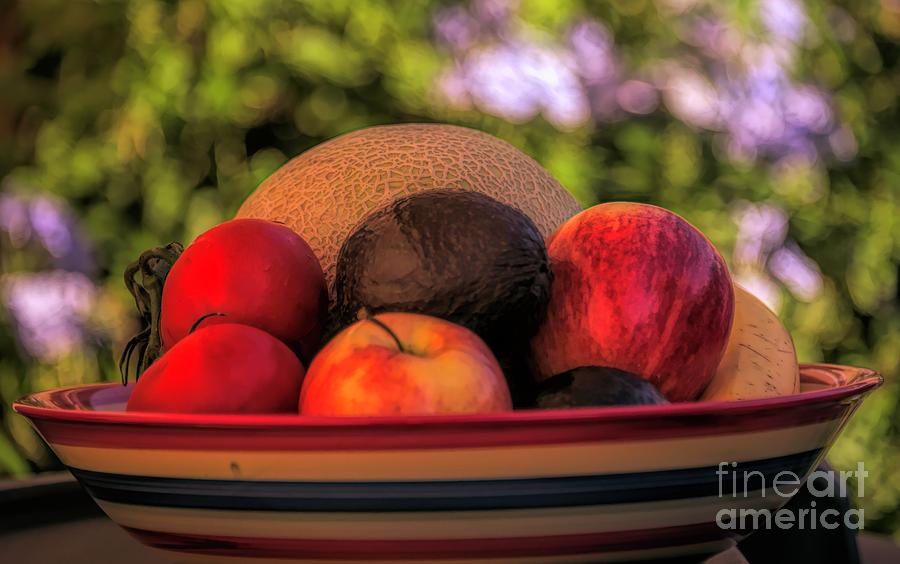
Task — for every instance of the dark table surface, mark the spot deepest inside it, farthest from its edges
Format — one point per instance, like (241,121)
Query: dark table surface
(50,519)
(98,540)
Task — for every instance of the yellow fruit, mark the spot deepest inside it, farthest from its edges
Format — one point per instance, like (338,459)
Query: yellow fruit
(760,360)
(323,193)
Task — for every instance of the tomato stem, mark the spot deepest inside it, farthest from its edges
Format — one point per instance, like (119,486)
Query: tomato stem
(202,317)
(153,266)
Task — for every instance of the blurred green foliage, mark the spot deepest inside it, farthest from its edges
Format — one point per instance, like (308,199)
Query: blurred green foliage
(154,120)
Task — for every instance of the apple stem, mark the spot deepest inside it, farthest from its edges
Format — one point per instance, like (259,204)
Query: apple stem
(384,326)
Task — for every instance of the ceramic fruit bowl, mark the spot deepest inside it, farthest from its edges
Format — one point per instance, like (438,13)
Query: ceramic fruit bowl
(578,485)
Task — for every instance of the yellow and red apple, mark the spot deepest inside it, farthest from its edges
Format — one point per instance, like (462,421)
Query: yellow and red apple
(404,364)
(636,288)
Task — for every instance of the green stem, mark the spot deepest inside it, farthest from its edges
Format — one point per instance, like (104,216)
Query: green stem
(390,332)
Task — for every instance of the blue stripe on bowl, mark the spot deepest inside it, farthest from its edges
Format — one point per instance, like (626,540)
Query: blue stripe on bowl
(564,491)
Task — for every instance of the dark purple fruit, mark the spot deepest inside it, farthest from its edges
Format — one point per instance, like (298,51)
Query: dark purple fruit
(597,386)
(461,256)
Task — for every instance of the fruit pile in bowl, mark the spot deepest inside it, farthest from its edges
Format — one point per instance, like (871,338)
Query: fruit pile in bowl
(412,345)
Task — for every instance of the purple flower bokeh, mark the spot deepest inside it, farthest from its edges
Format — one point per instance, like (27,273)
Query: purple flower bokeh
(785,20)
(692,99)
(455,28)
(761,229)
(762,248)
(494,14)
(593,49)
(729,81)
(797,271)
(760,285)
(762,110)
(14,219)
(734,82)
(807,107)
(50,310)
(51,224)
(637,97)
(517,82)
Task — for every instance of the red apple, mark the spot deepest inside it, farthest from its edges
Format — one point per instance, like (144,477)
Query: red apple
(640,289)
(404,364)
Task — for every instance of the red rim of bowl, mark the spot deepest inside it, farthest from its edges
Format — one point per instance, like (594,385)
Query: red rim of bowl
(838,386)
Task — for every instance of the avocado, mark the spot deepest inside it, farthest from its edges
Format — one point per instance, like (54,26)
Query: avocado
(597,386)
(458,255)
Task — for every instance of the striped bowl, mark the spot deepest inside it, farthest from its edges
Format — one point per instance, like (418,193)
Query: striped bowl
(579,485)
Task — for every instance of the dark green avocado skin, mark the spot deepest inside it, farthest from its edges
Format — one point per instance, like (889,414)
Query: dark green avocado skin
(597,386)
(458,255)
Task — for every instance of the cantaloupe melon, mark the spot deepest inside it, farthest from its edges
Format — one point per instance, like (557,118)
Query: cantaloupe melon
(323,193)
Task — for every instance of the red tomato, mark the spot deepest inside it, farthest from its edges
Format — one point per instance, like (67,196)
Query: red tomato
(252,272)
(223,368)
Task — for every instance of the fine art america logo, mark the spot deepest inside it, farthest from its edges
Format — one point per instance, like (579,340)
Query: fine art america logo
(734,483)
